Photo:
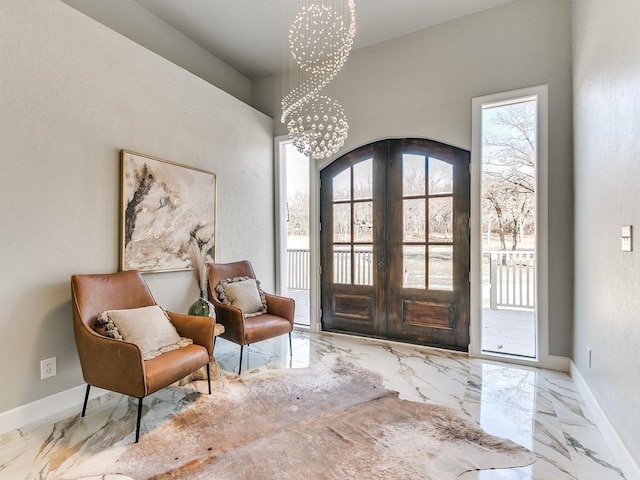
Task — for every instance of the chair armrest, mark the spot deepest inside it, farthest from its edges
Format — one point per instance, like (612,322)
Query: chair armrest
(111,364)
(233,321)
(198,329)
(281,306)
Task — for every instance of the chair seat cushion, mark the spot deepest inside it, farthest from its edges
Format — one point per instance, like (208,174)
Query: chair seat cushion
(171,366)
(265,326)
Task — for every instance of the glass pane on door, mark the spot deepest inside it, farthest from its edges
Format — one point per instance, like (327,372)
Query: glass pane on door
(363,265)
(413,175)
(342,186)
(363,222)
(414,266)
(342,222)
(363,180)
(441,219)
(440,267)
(414,220)
(342,264)
(440,176)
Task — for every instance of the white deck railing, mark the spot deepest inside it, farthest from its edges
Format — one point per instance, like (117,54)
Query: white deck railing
(512,274)
(363,271)
(298,268)
(513,279)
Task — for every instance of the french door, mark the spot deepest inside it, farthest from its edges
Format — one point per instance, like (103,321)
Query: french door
(395,243)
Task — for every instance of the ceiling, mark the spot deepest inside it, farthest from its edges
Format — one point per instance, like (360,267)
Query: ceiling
(250,35)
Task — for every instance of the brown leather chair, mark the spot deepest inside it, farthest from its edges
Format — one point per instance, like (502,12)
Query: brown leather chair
(118,366)
(278,319)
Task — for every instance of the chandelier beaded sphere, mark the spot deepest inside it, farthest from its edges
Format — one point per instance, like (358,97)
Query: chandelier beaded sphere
(320,41)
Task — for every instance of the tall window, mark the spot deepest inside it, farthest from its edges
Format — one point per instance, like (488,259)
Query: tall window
(296,239)
(507,158)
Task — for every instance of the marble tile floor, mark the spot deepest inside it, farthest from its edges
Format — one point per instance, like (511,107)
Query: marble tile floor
(539,409)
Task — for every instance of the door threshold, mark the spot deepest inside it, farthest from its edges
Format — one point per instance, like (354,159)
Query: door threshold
(510,355)
(396,341)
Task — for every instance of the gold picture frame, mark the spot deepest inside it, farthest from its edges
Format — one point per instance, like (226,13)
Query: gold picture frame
(166,210)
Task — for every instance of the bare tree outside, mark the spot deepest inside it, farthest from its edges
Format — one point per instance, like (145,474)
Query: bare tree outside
(297,195)
(508,190)
(298,213)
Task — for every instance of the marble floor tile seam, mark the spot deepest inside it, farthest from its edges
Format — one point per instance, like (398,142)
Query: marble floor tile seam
(588,448)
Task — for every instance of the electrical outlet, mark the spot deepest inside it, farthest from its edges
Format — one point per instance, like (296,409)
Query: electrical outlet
(47,368)
(589,356)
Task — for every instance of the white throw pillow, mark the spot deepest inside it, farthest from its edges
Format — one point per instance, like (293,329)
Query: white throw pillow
(147,327)
(244,293)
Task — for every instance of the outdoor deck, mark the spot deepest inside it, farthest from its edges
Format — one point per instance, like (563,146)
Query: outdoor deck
(507,331)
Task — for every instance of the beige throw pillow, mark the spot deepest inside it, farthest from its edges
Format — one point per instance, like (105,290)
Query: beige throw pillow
(244,293)
(147,327)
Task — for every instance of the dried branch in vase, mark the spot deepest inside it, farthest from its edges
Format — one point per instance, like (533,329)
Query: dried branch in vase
(199,266)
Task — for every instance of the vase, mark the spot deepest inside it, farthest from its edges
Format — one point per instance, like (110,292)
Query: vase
(200,307)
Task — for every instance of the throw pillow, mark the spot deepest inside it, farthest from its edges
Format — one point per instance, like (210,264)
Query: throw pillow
(244,293)
(147,327)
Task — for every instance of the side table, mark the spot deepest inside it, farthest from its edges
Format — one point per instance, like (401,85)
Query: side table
(201,374)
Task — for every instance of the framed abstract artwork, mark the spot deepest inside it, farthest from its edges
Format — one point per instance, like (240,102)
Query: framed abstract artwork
(167,211)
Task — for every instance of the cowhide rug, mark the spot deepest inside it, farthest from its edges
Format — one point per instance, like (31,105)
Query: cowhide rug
(333,421)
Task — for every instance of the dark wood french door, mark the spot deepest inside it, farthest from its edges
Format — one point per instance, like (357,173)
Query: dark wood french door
(395,243)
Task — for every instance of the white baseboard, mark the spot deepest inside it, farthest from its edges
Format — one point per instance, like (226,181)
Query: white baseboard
(556,362)
(46,407)
(625,461)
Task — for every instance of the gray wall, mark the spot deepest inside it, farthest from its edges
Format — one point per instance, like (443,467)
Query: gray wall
(138,24)
(606,72)
(422,85)
(73,93)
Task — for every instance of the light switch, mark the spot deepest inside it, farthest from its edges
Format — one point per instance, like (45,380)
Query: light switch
(626,238)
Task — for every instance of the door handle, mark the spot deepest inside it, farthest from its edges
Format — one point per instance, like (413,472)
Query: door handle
(380,264)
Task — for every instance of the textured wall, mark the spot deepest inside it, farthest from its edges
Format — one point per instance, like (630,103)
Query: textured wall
(138,24)
(72,94)
(606,71)
(422,85)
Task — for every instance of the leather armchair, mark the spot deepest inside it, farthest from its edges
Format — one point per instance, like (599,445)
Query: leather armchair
(278,319)
(117,365)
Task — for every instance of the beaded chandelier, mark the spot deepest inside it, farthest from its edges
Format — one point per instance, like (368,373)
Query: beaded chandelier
(320,40)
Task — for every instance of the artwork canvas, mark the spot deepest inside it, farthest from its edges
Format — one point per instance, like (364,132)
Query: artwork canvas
(167,210)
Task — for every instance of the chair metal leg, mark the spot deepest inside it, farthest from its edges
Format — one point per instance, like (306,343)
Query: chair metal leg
(86,399)
(139,417)
(240,365)
(290,345)
(209,376)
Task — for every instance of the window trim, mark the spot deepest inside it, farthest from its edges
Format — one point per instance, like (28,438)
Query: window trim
(541,94)
(280,210)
